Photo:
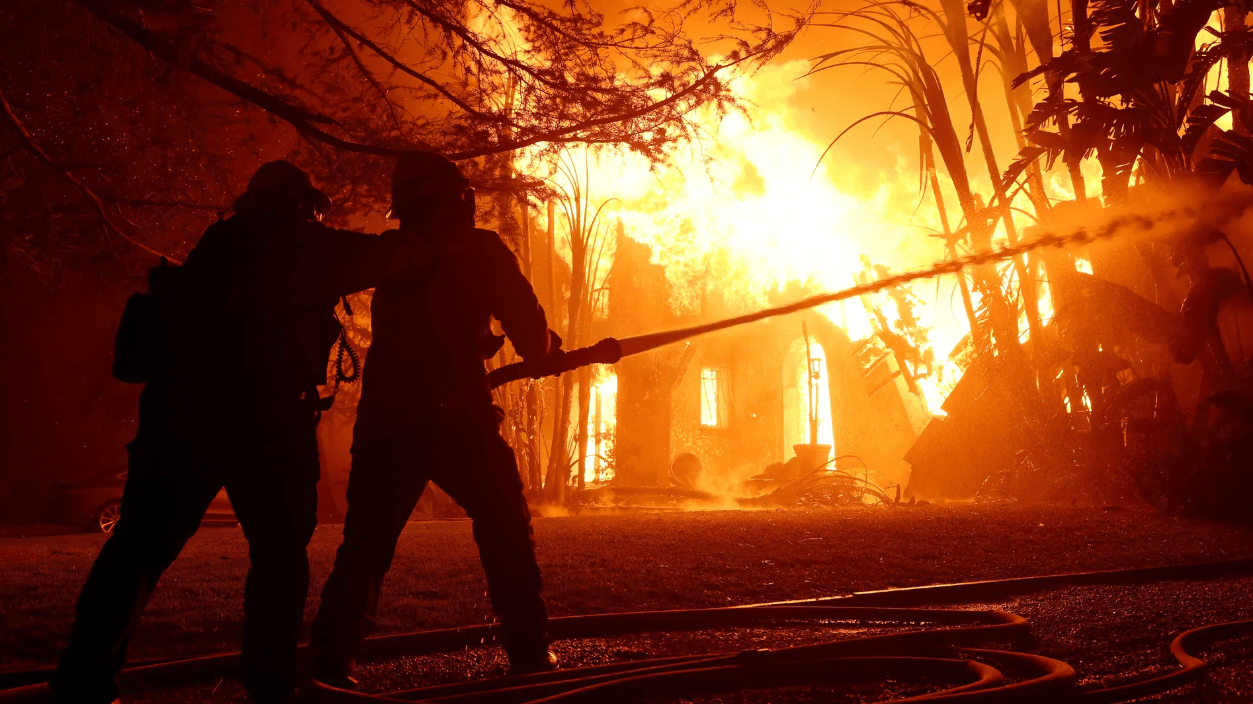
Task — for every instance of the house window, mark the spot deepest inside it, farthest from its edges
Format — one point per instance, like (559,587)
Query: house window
(713,402)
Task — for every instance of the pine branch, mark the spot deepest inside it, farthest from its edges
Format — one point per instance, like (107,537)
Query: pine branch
(307,122)
(168,49)
(340,27)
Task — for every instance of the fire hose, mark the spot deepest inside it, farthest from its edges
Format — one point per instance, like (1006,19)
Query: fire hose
(944,652)
(611,350)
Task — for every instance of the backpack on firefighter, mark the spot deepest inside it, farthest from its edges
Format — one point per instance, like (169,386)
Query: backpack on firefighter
(143,348)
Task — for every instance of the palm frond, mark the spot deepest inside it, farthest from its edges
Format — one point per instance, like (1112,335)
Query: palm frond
(1229,152)
(1194,78)
(1200,119)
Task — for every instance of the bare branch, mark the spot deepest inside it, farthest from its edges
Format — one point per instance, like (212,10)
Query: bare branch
(166,48)
(339,27)
(468,37)
(574,83)
(369,77)
(557,135)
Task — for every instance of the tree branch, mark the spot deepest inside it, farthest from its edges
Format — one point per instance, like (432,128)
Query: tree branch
(171,204)
(478,45)
(105,220)
(339,26)
(300,118)
(557,135)
(553,27)
(369,77)
(468,37)
(304,120)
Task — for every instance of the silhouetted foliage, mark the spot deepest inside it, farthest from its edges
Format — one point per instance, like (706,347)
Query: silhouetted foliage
(193,96)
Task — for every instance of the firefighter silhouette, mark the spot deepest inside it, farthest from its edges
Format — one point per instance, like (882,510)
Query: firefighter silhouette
(231,347)
(426,415)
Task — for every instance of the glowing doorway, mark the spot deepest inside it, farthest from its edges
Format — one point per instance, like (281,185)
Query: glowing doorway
(805,383)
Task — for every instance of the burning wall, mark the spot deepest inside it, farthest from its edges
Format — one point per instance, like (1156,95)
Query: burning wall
(664,405)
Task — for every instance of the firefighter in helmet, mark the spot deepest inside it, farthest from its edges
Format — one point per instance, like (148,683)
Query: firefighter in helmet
(240,339)
(426,415)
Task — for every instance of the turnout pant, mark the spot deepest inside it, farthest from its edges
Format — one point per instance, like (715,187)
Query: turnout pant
(269,466)
(476,467)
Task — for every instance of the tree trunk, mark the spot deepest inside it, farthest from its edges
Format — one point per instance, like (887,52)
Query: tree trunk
(1007,334)
(558,457)
(531,399)
(578,252)
(1237,66)
(559,462)
(585,383)
(535,478)
(928,155)
(1027,284)
(548,483)
(552,279)
(597,441)
(1082,44)
(585,401)
(1018,100)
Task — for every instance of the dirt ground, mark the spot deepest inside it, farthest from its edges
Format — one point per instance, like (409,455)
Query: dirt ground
(682,560)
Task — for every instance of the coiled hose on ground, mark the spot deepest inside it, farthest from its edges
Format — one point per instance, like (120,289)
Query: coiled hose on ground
(939,647)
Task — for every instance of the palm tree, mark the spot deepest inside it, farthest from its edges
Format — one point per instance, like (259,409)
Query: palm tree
(588,240)
(892,45)
(1140,99)
(1142,110)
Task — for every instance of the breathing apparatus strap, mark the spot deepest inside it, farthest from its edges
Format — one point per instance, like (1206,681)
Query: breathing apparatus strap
(343,348)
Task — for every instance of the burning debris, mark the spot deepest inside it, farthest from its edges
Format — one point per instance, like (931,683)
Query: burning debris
(777,487)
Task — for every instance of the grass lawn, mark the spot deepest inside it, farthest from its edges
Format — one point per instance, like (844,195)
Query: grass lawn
(618,563)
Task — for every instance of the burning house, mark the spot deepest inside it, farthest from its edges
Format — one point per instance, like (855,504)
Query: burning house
(739,401)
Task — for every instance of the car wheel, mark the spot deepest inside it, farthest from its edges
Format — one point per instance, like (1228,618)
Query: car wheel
(107,516)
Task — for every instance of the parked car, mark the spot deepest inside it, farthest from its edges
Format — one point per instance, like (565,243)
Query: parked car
(95,503)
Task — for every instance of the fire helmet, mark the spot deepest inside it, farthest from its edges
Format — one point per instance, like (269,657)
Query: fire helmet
(421,174)
(281,179)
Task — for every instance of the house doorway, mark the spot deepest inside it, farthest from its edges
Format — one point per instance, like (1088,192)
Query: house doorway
(806,396)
